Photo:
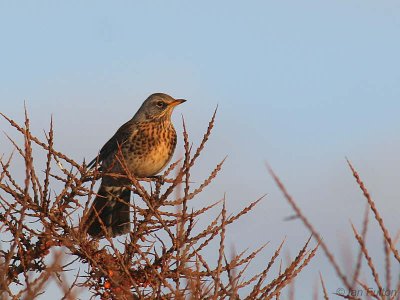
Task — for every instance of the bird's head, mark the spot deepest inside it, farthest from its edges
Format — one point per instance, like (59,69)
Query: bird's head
(157,106)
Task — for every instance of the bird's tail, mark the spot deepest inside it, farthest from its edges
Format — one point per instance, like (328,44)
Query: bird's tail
(109,214)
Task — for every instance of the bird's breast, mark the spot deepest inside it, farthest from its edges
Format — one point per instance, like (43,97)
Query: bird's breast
(150,149)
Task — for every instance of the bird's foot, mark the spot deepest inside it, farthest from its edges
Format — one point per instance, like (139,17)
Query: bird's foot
(158,178)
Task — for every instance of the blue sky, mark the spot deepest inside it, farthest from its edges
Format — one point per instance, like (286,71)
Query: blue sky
(300,84)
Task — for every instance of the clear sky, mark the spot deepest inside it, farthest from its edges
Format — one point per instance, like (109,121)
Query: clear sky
(300,84)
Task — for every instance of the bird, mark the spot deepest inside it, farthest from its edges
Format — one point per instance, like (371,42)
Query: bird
(147,143)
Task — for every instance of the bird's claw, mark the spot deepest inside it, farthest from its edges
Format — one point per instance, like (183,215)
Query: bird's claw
(158,178)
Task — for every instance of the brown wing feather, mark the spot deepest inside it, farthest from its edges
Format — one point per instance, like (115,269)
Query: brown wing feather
(120,137)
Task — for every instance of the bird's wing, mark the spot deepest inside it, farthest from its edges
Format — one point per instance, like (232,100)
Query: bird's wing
(120,137)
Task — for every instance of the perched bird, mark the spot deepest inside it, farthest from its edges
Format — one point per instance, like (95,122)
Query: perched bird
(147,143)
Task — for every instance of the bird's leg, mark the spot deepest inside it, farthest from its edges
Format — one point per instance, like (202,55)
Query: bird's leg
(158,178)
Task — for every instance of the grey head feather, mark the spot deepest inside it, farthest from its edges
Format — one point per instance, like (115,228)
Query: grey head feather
(154,107)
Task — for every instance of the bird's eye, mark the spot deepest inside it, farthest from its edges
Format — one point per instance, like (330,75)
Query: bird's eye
(160,104)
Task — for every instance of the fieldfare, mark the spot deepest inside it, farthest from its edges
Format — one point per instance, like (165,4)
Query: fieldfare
(147,143)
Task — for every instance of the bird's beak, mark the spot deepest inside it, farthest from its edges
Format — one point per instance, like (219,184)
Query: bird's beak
(177,102)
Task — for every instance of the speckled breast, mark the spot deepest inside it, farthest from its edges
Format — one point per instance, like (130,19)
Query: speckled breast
(149,150)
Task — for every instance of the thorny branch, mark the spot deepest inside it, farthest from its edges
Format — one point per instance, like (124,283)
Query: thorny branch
(163,257)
